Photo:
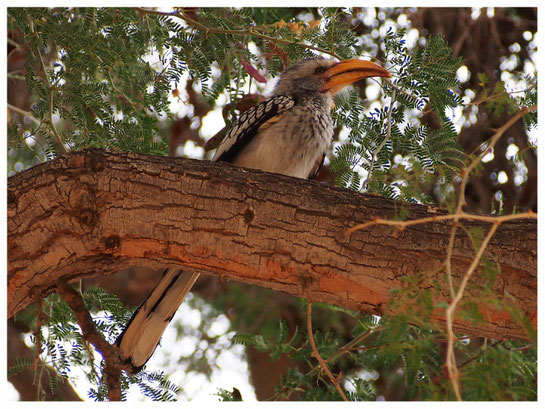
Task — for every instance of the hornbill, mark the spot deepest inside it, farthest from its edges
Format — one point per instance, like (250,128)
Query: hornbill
(288,133)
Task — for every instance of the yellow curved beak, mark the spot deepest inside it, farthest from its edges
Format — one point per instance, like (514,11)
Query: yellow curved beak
(347,72)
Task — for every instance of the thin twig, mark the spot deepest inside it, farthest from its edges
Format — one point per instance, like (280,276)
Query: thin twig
(385,140)
(38,338)
(397,88)
(451,361)
(474,357)
(450,248)
(350,345)
(498,95)
(135,105)
(251,32)
(401,224)
(37,331)
(14,76)
(51,89)
(317,355)
(27,114)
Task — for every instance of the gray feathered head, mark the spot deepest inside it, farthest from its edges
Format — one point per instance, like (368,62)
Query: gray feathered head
(313,75)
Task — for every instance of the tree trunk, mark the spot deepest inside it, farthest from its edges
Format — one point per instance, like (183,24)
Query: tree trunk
(95,213)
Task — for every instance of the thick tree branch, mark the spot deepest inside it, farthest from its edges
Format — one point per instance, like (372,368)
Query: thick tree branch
(95,212)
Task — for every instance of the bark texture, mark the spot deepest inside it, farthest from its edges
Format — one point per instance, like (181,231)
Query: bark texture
(96,212)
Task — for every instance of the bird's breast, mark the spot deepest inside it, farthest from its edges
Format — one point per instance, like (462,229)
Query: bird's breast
(291,145)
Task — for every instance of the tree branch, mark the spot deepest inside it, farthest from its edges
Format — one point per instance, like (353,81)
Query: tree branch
(95,213)
(52,89)
(456,296)
(451,360)
(113,363)
(316,354)
(253,31)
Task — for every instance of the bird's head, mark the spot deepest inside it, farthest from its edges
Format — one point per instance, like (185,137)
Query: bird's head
(319,75)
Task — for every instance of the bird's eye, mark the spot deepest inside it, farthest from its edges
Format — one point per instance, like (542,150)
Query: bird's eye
(319,70)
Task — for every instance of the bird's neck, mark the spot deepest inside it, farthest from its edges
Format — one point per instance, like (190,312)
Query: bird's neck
(322,101)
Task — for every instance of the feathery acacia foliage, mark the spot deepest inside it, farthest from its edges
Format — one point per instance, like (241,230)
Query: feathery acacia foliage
(102,77)
(396,153)
(91,83)
(63,346)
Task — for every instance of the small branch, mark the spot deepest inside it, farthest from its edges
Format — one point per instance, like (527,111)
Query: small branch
(499,132)
(451,360)
(37,332)
(51,89)
(462,38)
(14,76)
(37,336)
(113,363)
(498,95)
(14,44)
(351,345)
(317,355)
(135,105)
(27,114)
(480,353)
(397,88)
(448,264)
(348,347)
(386,139)
(251,32)
(58,137)
(401,224)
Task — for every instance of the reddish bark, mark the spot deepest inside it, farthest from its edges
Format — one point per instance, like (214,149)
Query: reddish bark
(95,213)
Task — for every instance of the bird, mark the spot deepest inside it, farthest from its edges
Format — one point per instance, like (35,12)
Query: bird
(288,133)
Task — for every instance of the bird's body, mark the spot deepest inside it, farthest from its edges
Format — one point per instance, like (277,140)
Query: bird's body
(306,128)
(289,133)
(297,117)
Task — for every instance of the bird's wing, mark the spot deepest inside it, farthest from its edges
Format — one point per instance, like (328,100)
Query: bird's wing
(249,123)
(317,166)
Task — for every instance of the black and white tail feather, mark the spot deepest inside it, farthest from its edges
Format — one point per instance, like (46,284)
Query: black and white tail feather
(143,332)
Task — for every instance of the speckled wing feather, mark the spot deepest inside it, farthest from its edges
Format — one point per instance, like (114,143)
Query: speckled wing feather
(249,123)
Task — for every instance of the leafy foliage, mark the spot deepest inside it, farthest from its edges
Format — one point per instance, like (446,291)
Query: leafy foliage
(229,396)
(498,99)
(92,85)
(389,152)
(63,346)
(401,352)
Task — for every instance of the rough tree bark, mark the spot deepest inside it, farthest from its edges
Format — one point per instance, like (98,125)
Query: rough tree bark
(96,212)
